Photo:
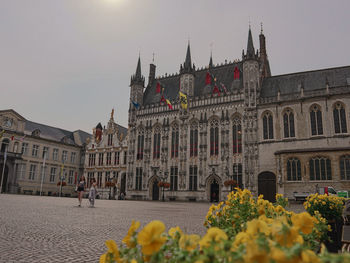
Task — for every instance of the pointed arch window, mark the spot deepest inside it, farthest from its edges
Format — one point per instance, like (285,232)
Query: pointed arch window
(320,169)
(237,136)
(345,167)
(268,126)
(140,145)
(288,124)
(214,138)
(156,144)
(316,120)
(293,169)
(339,118)
(110,139)
(194,140)
(175,141)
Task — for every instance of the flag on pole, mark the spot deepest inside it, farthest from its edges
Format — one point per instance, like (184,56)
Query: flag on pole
(12,138)
(208,78)
(223,87)
(183,100)
(162,99)
(216,90)
(2,133)
(21,139)
(169,104)
(158,87)
(136,105)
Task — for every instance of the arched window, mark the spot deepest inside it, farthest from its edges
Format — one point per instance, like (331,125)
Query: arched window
(175,141)
(156,143)
(194,139)
(214,137)
(237,136)
(293,169)
(345,167)
(268,126)
(339,118)
(288,123)
(320,169)
(316,120)
(140,144)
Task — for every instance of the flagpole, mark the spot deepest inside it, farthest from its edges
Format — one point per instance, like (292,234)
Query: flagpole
(3,169)
(42,175)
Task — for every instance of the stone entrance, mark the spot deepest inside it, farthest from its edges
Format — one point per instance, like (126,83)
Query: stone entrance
(267,186)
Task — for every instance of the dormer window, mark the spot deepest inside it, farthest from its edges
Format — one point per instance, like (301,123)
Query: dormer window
(36,133)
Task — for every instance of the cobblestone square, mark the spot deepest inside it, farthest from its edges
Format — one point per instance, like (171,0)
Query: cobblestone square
(52,229)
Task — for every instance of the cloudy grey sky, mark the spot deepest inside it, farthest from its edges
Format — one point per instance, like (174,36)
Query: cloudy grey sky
(67,63)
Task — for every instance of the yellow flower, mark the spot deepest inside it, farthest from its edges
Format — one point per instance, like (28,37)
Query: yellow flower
(304,221)
(174,231)
(189,242)
(112,248)
(289,237)
(127,239)
(150,237)
(257,226)
(241,238)
(255,254)
(103,258)
(214,234)
(278,255)
(308,256)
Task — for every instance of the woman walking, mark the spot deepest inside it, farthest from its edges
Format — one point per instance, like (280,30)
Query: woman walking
(81,188)
(92,192)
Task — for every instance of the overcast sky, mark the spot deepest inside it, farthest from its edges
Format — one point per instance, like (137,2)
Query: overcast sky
(67,63)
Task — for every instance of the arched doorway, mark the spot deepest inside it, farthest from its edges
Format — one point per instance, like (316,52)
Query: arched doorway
(214,191)
(267,186)
(4,182)
(155,190)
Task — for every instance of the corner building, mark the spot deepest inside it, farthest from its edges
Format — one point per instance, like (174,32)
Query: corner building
(286,133)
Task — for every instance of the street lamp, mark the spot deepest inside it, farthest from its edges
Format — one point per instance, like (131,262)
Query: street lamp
(164,177)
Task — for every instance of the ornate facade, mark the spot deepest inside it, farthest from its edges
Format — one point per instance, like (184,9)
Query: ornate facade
(241,126)
(39,157)
(106,158)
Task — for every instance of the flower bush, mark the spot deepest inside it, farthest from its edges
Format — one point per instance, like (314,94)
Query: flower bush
(330,207)
(241,229)
(164,184)
(63,183)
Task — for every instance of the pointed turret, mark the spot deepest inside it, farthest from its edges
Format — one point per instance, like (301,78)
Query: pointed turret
(211,60)
(137,78)
(250,47)
(264,62)
(187,66)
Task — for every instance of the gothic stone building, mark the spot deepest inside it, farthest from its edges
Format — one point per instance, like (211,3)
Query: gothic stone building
(242,125)
(105,159)
(39,154)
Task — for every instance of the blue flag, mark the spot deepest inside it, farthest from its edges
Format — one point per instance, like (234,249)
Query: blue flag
(137,106)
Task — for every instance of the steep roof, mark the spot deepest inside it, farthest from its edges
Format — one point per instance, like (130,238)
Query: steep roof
(309,80)
(55,134)
(171,84)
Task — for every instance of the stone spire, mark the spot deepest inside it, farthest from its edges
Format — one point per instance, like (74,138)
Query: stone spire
(250,47)
(137,78)
(211,60)
(187,66)
(264,62)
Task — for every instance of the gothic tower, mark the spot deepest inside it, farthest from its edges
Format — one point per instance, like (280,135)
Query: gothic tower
(251,84)
(187,75)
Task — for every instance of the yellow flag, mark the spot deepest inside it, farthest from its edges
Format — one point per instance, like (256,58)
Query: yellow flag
(2,133)
(183,100)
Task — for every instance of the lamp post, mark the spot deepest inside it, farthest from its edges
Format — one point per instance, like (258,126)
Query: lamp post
(164,177)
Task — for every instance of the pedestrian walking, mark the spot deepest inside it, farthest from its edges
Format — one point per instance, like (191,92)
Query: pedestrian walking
(81,188)
(92,192)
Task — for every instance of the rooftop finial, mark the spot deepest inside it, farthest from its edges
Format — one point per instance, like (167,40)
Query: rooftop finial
(153,57)
(261,26)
